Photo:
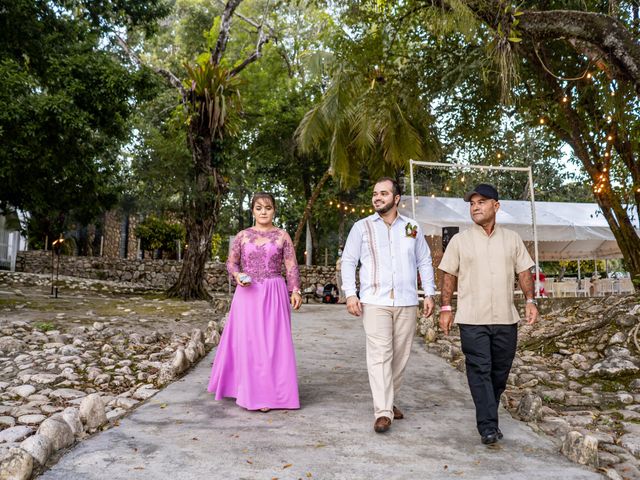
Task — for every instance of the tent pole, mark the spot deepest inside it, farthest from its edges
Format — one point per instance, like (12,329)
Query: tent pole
(413,195)
(535,233)
(578,271)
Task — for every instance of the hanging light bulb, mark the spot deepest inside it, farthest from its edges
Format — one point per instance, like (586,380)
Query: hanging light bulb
(606,154)
(330,202)
(362,211)
(447,188)
(609,137)
(542,121)
(565,99)
(604,169)
(589,75)
(499,155)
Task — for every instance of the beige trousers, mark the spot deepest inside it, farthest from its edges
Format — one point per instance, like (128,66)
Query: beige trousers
(390,332)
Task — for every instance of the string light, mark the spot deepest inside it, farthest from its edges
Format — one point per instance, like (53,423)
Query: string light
(404,205)
(565,99)
(608,118)
(499,155)
(542,121)
(446,188)
(609,137)
(589,75)
(606,154)
(331,202)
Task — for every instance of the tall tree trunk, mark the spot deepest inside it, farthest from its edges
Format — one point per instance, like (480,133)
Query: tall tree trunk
(240,212)
(204,210)
(309,207)
(314,243)
(341,239)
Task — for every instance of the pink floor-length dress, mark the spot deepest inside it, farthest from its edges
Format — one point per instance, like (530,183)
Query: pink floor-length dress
(255,362)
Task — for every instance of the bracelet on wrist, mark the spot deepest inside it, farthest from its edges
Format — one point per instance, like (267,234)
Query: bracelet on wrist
(446,308)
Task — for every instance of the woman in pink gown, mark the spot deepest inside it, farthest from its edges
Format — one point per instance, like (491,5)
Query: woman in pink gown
(255,362)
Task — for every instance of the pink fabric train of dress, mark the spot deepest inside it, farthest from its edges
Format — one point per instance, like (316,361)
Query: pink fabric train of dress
(255,362)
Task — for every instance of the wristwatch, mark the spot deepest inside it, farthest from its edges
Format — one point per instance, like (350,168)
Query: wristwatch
(532,300)
(298,291)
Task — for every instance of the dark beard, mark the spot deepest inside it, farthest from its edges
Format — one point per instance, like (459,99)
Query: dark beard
(384,209)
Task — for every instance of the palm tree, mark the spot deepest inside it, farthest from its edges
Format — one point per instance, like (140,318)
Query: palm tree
(363,122)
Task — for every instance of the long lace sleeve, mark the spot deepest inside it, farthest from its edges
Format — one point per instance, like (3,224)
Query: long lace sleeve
(233,262)
(290,263)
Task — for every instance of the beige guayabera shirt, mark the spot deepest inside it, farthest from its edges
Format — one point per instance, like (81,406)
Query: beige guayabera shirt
(486,266)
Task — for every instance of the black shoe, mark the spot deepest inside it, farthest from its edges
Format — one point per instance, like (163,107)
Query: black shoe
(489,438)
(499,434)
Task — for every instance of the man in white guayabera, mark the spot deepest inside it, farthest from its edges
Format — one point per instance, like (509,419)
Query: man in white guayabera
(391,250)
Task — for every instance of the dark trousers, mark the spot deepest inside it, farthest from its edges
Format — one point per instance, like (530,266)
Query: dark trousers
(489,352)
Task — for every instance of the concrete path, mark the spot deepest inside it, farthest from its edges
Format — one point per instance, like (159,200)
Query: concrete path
(183,433)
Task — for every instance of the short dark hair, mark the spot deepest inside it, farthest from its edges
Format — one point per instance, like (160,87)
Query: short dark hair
(394,182)
(263,196)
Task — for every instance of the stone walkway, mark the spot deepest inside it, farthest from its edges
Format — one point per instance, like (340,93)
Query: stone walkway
(183,433)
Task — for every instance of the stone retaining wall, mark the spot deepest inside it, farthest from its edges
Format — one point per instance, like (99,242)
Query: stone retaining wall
(159,274)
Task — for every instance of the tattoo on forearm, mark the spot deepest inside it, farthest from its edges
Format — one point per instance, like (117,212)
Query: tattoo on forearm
(526,284)
(448,287)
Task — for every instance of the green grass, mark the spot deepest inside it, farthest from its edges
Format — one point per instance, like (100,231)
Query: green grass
(44,326)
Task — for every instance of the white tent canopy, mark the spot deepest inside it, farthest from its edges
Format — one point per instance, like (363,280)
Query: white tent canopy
(565,230)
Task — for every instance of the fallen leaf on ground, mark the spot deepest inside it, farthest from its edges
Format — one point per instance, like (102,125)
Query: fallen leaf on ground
(164,405)
(249,462)
(287,465)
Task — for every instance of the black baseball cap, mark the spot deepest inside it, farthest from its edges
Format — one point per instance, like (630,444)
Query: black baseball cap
(484,189)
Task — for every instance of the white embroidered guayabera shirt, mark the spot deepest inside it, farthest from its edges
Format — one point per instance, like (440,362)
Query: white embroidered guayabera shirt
(390,258)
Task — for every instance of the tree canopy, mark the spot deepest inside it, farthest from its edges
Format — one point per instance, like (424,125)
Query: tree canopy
(66,98)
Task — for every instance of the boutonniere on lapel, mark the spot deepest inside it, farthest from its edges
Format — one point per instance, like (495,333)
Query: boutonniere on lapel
(411,230)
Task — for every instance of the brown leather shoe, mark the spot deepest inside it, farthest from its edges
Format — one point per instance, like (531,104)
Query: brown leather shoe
(382,424)
(397,414)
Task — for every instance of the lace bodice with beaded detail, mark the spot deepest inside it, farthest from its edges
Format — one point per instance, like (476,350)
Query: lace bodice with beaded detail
(261,255)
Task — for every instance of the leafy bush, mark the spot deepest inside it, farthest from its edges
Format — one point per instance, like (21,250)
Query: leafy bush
(157,234)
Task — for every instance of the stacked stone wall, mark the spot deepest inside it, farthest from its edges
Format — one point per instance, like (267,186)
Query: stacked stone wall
(159,274)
